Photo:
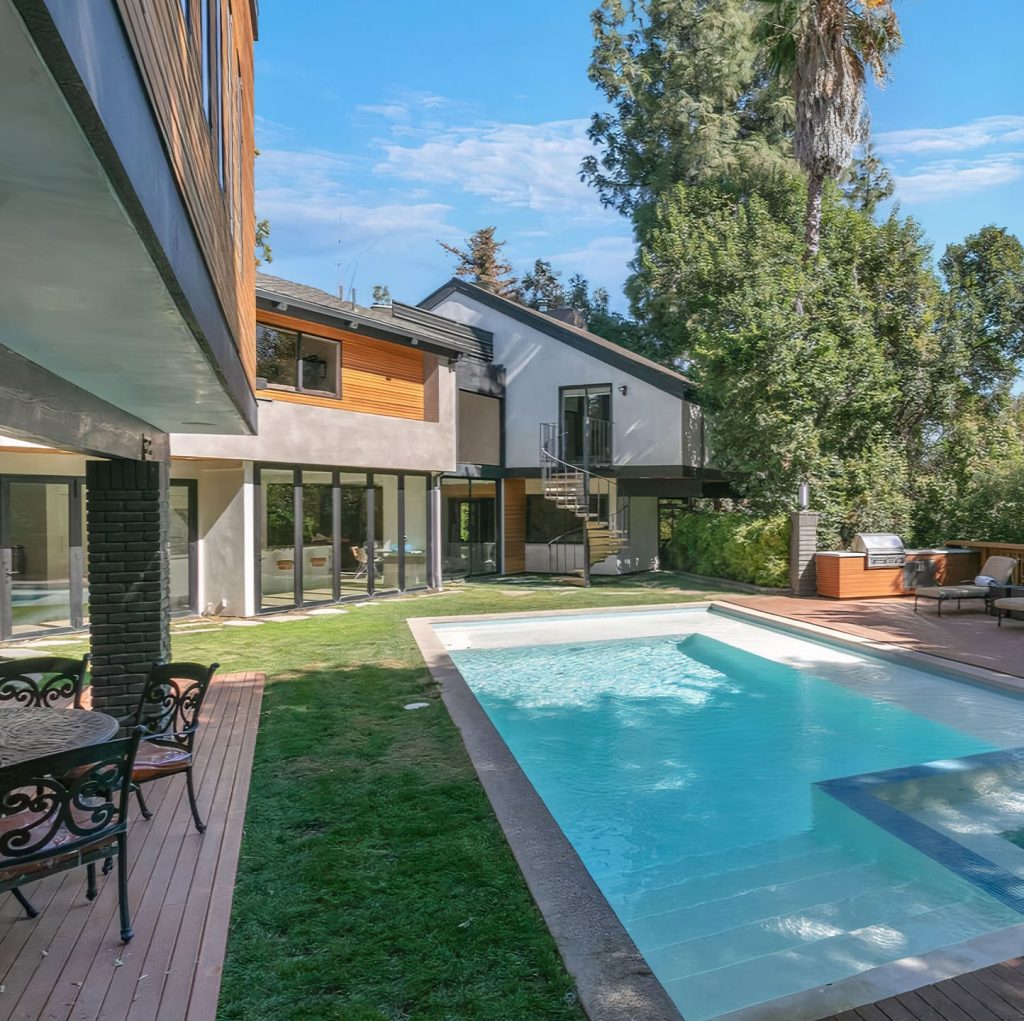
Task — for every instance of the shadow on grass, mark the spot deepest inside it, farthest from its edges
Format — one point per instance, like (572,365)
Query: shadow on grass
(375,882)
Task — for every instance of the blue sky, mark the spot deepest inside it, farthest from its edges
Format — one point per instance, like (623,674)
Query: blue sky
(385,127)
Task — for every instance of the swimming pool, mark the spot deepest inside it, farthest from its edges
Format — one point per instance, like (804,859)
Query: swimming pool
(694,761)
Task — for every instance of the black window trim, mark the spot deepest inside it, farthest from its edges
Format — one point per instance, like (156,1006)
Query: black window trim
(298,388)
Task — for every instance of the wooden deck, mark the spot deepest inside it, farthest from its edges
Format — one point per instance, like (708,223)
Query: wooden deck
(989,994)
(69,962)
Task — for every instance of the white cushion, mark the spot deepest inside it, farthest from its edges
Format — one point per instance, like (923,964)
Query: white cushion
(984,579)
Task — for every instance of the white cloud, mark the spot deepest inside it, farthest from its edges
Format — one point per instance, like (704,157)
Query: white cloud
(305,194)
(526,166)
(953,179)
(978,134)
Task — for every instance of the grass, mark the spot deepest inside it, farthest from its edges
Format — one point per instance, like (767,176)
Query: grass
(374,882)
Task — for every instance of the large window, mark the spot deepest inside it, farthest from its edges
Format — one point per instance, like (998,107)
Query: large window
(298,361)
(328,534)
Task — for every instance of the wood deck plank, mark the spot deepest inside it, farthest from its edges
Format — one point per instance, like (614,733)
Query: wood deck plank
(180,885)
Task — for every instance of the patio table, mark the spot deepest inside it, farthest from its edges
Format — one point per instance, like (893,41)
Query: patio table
(27,732)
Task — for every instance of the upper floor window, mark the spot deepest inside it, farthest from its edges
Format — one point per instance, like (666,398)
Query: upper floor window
(298,361)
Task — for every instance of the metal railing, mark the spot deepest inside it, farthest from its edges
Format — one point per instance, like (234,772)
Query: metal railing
(579,489)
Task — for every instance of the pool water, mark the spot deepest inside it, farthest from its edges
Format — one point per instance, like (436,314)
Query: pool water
(682,767)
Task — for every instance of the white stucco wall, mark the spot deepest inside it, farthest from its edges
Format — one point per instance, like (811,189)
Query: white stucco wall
(304,434)
(648,422)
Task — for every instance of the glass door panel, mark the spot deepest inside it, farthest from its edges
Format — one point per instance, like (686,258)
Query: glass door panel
(38,551)
(181,546)
(387,537)
(277,538)
(317,537)
(415,538)
(353,572)
(483,519)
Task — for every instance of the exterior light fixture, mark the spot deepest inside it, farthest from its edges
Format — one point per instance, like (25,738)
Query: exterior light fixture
(623,389)
(281,306)
(804,498)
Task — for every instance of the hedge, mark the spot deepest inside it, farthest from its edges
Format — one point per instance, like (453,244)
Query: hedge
(734,545)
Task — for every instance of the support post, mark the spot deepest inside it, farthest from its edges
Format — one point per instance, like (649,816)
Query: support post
(803,544)
(129,578)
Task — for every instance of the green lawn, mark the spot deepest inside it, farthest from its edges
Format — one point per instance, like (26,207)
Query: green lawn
(374,881)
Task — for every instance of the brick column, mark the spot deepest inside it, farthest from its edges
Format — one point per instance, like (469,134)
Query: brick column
(803,544)
(129,583)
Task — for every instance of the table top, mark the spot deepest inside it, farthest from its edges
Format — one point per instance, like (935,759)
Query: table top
(27,732)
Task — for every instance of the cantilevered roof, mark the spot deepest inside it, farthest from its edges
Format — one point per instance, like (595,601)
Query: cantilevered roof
(402,322)
(583,340)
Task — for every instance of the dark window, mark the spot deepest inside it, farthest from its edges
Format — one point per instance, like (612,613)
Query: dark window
(298,361)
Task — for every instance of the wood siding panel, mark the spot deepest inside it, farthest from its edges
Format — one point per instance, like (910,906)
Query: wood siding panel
(514,501)
(170,62)
(848,578)
(377,378)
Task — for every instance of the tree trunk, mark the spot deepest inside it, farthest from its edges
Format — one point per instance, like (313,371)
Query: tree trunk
(812,218)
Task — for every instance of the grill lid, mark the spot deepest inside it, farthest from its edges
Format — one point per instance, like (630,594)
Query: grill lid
(877,542)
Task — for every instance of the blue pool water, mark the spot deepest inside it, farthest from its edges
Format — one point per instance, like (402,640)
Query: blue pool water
(682,769)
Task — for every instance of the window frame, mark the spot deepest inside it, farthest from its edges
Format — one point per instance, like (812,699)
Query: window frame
(300,335)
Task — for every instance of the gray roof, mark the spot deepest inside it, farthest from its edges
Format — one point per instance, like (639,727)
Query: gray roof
(583,340)
(404,322)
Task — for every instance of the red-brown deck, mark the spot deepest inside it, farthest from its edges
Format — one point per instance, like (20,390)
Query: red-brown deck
(69,962)
(970,636)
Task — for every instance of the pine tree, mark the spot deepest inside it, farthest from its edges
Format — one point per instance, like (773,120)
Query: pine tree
(481,262)
(867,181)
(541,286)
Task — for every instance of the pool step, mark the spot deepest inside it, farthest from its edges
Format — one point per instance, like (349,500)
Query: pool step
(716,915)
(754,980)
(793,930)
(659,899)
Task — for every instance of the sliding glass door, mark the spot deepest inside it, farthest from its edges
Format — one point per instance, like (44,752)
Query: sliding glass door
(328,535)
(41,555)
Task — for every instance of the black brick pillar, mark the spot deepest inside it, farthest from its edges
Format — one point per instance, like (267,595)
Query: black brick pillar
(126,508)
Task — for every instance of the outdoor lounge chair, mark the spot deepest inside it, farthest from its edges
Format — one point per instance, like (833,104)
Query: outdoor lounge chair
(1000,569)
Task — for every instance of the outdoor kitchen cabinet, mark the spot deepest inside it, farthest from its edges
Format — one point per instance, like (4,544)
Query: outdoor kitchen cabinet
(845,575)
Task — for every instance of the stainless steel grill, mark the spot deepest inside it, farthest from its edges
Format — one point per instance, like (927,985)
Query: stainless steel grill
(882,548)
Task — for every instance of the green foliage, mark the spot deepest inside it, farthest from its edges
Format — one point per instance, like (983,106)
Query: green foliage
(264,253)
(689,101)
(735,545)
(867,181)
(381,294)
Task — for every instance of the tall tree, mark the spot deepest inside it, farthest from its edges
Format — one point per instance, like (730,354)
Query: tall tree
(867,181)
(481,261)
(542,286)
(825,49)
(690,101)
(264,253)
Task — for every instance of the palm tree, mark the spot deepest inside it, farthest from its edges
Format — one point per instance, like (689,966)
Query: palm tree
(824,49)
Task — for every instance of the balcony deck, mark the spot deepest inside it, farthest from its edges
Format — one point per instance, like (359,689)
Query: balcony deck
(70,963)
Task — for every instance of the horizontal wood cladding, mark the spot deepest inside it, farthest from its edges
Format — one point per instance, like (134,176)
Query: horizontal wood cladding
(168,53)
(514,504)
(377,378)
(848,578)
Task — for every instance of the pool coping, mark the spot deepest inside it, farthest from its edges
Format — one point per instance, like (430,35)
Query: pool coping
(613,980)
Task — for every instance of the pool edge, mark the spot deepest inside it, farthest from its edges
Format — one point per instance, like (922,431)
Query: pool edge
(613,980)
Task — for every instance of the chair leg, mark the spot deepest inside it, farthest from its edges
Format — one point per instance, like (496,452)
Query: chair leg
(90,888)
(30,912)
(200,825)
(146,813)
(122,888)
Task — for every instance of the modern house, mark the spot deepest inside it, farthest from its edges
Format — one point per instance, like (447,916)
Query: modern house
(126,280)
(398,446)
(567,445)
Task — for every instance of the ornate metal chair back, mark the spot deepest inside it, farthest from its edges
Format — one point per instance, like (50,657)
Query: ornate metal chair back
(168,711)
(43,681)
(58,805)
